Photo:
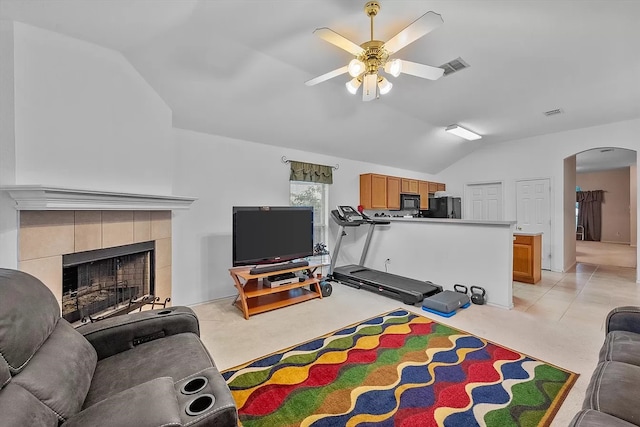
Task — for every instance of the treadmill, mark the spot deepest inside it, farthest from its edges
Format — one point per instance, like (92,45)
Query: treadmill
(409,291)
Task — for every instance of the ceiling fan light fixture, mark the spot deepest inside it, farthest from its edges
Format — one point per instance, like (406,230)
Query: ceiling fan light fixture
(393,67)
(462,132)
(384,85)
(356,67)
(353,85)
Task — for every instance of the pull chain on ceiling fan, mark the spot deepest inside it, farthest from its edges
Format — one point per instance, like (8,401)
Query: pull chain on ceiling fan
(373,55)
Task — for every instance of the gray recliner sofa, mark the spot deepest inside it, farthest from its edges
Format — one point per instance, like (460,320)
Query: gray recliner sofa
(142,369)
(613,395)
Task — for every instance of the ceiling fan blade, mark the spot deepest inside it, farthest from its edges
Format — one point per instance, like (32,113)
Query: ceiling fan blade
(327,76)
(418,28)
(338,40)
(421,70)
(370,87)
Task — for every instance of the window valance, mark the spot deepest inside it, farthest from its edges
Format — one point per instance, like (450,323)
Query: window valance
(310,172)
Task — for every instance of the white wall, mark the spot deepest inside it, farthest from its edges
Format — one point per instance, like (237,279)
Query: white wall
(85,118)
(539,157)
(569,209)
(633,202)
(222,172)
(8,215)
(78,115)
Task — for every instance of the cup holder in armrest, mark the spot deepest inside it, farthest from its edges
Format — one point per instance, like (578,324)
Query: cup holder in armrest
(200,404)
(194,385)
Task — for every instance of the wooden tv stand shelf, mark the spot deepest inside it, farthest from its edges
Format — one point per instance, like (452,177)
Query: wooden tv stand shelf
(254,297)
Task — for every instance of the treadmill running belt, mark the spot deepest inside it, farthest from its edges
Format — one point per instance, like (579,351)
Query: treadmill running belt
(392,280)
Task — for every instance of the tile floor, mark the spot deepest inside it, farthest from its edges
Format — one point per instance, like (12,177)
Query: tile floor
(559,320)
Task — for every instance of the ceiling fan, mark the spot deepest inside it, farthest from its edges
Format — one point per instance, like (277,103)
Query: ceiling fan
(373,55)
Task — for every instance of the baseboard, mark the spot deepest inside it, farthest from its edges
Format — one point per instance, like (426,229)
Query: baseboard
(616,243)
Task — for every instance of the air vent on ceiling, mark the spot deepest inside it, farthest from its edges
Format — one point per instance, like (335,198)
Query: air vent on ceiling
(454,66)
(553,112)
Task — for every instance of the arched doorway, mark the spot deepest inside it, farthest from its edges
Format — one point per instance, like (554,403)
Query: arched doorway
(606,180)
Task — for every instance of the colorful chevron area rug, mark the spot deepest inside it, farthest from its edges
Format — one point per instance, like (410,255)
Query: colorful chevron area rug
(398,369)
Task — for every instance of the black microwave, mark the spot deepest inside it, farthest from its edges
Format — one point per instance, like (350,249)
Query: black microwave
(409,201)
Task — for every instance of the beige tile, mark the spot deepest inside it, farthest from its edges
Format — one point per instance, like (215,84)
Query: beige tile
(563,294)
(45,233)
(48,270)
(163,253)
(160,224)
(163,283)
(87,230)
(117,228)
(141,226)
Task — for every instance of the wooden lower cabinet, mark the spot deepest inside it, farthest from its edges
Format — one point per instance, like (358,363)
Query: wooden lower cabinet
(527,258)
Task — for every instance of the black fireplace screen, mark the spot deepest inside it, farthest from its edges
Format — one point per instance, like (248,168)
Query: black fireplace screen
(98,281)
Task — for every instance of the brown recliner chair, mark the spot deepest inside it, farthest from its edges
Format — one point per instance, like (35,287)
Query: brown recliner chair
(143,369)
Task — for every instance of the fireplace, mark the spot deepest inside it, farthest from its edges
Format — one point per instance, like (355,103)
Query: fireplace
(102,280)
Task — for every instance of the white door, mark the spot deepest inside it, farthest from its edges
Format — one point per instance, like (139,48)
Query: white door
(533,214)
(483,201)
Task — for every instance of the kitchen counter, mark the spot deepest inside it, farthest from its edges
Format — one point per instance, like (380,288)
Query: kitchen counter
(444,251)
(447,221)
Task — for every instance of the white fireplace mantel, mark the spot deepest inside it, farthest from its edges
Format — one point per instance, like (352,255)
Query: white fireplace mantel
(38,197)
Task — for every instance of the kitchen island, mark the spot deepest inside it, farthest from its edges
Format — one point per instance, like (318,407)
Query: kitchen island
(443,251)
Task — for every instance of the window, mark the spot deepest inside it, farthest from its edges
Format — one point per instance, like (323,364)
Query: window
(316,195)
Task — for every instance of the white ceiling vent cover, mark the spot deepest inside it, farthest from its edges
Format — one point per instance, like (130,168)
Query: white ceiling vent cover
(454,66)
(553,112)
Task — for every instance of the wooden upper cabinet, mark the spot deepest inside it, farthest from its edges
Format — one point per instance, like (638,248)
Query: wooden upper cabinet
(423,191)
(409,186)
(436,186)
(383,191)
(393,192)
(373,191)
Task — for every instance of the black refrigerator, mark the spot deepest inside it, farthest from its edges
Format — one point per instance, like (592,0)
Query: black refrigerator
(445,207)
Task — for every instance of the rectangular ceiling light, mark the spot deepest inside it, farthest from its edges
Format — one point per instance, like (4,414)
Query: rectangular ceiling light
(462,132)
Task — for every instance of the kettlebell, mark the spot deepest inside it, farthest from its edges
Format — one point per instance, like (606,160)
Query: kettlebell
(460,288)
(477,295)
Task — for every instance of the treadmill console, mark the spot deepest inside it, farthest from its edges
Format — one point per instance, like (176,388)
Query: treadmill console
(349,214)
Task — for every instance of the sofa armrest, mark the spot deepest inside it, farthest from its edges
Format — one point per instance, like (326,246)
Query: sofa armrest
(623,319)
(151,404)
(117,334)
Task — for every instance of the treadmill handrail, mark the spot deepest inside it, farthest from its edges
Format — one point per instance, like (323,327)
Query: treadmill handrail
(340,221)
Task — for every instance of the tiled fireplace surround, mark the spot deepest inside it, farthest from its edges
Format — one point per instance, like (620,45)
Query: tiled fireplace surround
(44,236)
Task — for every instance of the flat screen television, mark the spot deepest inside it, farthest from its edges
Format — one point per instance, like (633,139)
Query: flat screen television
(271,234)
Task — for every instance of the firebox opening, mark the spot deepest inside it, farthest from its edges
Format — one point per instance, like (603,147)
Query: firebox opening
(97,281)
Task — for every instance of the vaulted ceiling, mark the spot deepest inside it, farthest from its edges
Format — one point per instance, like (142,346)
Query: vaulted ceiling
(237,68)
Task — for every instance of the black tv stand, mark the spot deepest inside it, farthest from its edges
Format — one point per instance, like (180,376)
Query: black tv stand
(278,267)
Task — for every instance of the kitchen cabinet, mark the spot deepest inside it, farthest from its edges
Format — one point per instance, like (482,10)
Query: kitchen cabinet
(423,191)
(373,191)
(409,186)
(393,192)
(436,186)
(383,191)
(527,258)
